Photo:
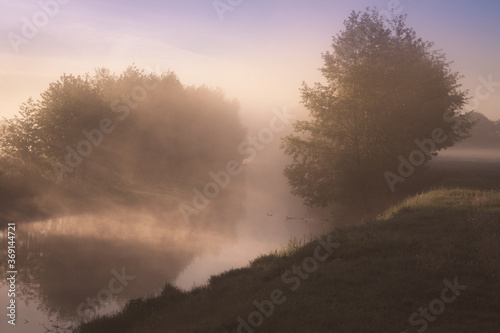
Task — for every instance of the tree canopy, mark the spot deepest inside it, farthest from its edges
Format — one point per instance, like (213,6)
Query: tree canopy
(385,88)
(113,130)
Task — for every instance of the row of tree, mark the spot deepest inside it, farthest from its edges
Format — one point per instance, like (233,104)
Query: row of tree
(484,135)
(385,88)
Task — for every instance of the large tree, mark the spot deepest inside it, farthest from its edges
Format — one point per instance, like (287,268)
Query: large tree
(385,88)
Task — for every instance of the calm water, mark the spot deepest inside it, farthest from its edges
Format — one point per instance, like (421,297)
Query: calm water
(73,268)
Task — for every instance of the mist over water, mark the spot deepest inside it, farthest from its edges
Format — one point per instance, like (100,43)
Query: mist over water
(70,264)
(66,262)
(141,152)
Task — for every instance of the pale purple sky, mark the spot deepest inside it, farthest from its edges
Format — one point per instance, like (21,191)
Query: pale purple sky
(259,53)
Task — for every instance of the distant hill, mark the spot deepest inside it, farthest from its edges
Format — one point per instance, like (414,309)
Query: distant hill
(485,134)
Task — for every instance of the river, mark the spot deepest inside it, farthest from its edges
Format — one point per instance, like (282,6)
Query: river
(73,268)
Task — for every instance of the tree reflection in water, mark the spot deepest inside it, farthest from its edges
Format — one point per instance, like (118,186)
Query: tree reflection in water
(65,262)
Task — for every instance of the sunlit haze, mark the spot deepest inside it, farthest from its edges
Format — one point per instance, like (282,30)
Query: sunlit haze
(247,166)
(259,53)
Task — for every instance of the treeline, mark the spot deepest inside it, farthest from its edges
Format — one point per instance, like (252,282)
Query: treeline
(113,131)
(484,135)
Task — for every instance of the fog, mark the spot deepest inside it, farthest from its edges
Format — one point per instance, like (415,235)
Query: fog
(174,185)
(470,154)
(68,258)
(147,138)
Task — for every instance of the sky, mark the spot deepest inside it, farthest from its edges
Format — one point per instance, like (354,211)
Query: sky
(258,51)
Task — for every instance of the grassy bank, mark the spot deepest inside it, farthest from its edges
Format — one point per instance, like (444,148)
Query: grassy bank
(379,276)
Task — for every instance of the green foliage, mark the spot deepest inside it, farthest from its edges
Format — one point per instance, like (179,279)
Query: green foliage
(163,134)
(20,143)
(384,89)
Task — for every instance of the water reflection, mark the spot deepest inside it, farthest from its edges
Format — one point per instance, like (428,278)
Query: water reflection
(73,268)
(69,269)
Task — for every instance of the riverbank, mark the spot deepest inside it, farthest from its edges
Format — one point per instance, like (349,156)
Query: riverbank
(430,263)
(34,199)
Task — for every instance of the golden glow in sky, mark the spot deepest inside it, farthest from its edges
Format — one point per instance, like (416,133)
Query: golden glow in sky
(258,52)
